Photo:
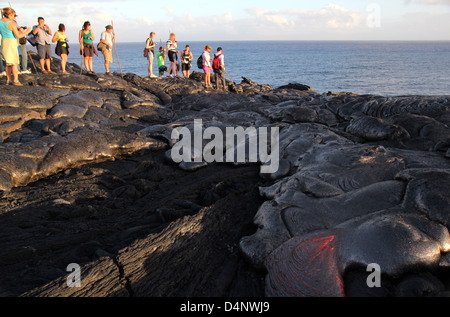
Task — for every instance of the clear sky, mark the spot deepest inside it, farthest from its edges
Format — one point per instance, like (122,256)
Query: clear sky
(207,20)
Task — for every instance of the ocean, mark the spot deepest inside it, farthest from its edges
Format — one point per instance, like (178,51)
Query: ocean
(380,68)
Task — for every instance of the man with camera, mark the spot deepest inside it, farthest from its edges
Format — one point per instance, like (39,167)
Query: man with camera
(42,34)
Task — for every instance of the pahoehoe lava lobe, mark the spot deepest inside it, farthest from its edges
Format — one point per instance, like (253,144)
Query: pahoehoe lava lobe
(305,266)
(87,177)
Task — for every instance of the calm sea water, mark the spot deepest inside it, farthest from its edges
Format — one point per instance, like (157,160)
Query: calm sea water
(383,68)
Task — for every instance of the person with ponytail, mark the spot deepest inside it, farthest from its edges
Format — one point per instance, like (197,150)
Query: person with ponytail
(172,52)
(207,65)
(62,47)
(86,38)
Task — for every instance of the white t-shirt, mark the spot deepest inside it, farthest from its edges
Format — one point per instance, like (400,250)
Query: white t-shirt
(172,46)
(107,37)
(206,59)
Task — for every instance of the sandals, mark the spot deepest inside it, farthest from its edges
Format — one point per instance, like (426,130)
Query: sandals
(16,83)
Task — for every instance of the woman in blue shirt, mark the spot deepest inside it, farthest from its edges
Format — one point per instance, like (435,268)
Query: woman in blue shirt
(10,53)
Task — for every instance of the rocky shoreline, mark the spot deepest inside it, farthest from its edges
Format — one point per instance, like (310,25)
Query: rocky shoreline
(86,177)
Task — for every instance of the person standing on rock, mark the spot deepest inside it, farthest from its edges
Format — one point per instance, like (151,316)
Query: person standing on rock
(186,58)
(86,38)
(23,53)
(207,65)
(150,45)
(108,37)
(10,53)
(219,68)
(161,58)
(62,48)
(42,34)
(173,54)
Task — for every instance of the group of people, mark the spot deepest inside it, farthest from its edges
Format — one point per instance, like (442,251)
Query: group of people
(14,39)
(172,53)
(88,49)
(207,63)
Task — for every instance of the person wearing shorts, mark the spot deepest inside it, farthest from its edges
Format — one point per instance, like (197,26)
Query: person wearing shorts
(42,34)
(207,65)
(62,47)
(161,58)
(108,38)
(150,46)
(186,58)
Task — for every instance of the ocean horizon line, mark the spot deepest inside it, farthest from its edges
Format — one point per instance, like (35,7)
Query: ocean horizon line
(299,41)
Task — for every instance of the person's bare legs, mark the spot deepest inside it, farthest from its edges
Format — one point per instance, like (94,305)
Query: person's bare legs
(173,69)
(15,71)
(63,62)
(88,64)
(91,64)
(8,70)
(47,62)
(12,71)
(42,62)
(150,67)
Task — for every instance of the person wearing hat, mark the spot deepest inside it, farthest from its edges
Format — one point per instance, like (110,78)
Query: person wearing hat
(207,65)
(108,37)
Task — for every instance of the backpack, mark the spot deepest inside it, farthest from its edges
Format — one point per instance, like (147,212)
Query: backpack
(146,50)
(216,62)
(200,62)
(32,40)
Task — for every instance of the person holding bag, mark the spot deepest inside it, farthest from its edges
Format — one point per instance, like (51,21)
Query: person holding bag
(150,47)
(107,39)
(62,47)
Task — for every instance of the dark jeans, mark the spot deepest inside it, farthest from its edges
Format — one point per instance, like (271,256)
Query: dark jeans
(2,68)
(24,57)
(220,77)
